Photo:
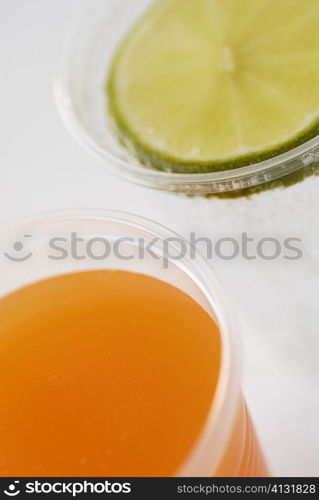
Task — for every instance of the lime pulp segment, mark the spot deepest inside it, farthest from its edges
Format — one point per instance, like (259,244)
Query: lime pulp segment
(208,85)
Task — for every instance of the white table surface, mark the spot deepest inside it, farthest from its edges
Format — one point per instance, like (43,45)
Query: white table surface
(42,168)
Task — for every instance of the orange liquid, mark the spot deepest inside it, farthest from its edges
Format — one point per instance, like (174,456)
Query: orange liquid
(104,373)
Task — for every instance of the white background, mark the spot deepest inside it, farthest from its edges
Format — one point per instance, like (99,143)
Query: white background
(276,302)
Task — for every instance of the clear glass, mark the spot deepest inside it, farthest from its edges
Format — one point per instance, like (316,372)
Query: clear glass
(81,99)
(227,445)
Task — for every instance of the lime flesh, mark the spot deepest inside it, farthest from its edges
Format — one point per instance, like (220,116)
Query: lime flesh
(208,85)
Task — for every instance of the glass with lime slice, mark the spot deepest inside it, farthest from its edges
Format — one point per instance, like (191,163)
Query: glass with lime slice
(197,96)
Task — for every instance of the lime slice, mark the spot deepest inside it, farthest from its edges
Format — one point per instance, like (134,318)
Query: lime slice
(207,85)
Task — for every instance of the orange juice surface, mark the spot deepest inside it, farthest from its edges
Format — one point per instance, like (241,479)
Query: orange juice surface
(103,373)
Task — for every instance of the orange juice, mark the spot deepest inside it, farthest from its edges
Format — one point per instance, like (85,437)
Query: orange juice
(107,373)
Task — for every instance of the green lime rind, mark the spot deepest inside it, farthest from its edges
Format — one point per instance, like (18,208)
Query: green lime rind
(165,163)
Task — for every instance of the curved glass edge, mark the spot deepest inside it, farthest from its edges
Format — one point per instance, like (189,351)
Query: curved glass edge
(281,171)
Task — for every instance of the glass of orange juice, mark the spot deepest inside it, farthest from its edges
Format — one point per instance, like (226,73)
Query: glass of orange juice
(118,354)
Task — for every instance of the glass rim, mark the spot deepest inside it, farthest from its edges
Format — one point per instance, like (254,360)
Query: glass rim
(246,177)
(208,449)
(80,134)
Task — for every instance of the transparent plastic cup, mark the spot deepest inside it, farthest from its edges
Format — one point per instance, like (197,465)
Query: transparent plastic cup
(79,89)
(227,445)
